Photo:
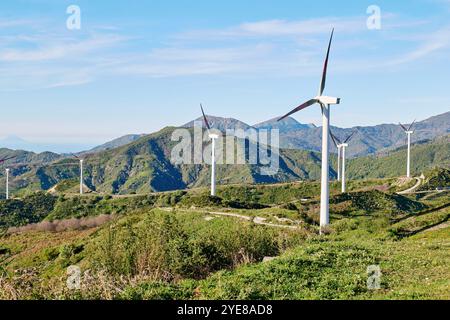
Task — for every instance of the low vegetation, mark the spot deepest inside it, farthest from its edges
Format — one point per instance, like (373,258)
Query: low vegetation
(249,242)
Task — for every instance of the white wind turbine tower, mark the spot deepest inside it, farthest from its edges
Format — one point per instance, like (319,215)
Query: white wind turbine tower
(81,173)
(7,183)
(213,138)
(7,177)
(408,133)
(341,146)
(325,103)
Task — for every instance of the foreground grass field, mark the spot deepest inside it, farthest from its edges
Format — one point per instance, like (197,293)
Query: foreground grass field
(250,242)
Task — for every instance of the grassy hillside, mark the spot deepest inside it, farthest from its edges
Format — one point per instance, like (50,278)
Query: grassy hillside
(424,156)
(190,245)
(437,178)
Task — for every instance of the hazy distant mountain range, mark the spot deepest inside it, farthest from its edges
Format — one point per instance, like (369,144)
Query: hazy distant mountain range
(116,143)
(295,135)
(17,143)
(142,163)
(144,166)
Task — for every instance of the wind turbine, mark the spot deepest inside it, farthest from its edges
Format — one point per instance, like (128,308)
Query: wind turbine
(325,103)
(81,172)
(341,145)
(408,133)
(213,138)
(338,145)
(7,176)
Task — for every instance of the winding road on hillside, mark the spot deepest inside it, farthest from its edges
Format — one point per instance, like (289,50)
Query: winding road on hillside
(256,220)
(413,188)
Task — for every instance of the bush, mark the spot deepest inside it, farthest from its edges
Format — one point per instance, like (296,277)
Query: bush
(31,209)
(201,201)
(165,247)
(70,254)
(374,200)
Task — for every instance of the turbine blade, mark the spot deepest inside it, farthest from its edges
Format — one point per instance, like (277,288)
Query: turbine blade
(349,137)
(404,128)
(334,139)
(300,107)
(204,118)
(325,66)
(411,125)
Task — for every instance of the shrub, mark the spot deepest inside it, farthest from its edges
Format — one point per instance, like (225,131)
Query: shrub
(165,247)
(31,209)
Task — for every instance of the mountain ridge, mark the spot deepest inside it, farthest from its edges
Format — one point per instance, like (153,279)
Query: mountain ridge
(145,166)
(295,135)
(367,140)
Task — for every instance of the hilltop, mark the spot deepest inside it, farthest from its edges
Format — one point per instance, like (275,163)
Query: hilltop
(219,123)
(121,141)
(368,140)
(144,166)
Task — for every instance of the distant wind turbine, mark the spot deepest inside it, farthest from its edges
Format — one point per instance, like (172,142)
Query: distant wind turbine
(213,138)
(341,146)
(325,103)
(7,176)
(408,133)
(81,172)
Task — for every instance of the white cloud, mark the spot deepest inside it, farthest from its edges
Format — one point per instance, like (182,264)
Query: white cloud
(60,50)
(46,59)
(298,28)
(10,23)
(271,28)
(182,61)
(431,43)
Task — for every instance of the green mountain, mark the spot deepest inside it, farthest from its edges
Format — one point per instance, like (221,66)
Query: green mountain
(425,155)
(286,125)
(121,141)
(28,157)
(367,140)
(144,166)
(220,123)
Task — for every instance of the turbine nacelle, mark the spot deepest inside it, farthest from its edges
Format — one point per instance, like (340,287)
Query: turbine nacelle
(409,132)
(343,145)
(213,136)
(328,100)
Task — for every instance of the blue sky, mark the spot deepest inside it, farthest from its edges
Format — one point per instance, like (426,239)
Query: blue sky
(137,66)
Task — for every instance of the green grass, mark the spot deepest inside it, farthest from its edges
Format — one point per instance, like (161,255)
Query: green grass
(424,157)
(168,245)
(436,178)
